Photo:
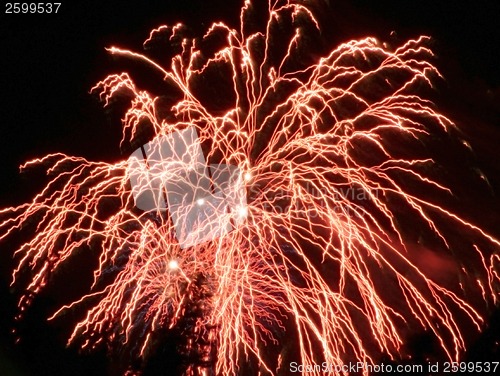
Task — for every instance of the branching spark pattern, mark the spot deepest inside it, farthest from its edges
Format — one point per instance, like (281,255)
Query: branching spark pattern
(330,154)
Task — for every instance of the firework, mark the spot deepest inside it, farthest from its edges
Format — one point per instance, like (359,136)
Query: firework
(325,178)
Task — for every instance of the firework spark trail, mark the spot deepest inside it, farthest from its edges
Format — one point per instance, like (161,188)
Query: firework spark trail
(308,257)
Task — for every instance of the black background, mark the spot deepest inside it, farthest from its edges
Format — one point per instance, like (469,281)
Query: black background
(49,63)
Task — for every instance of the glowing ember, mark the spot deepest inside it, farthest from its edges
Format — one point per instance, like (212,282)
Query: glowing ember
(335,179)
(173,264)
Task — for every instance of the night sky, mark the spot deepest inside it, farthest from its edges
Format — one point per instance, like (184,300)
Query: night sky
(50,62)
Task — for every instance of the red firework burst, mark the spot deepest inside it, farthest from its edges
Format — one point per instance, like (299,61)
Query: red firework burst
(288,212)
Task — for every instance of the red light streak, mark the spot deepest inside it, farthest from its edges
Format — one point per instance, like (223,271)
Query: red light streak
(309,258)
